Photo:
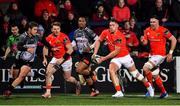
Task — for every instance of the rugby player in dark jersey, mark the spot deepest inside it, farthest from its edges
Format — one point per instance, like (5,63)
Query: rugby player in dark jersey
(83,43)
(25,56)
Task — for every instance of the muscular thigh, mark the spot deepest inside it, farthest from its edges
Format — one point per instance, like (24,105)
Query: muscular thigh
(25,69)
(156,60)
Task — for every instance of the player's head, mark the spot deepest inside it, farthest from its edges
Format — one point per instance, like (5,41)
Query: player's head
(56,28)
(113,25)
(14,29)
(32,28)
(82,22)
(154,22)
(127,25)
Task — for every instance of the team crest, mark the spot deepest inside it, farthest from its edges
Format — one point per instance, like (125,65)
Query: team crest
(118,40)
(58,42)
(158,34)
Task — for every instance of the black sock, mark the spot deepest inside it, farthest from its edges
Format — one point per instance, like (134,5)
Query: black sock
(86,76)
(11,80)
(92,87)
(91,73)
(10,87)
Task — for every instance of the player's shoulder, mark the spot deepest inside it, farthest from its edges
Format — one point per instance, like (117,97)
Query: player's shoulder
(63,35)
(148,29)
(162,28)
(49,36)
(106,31)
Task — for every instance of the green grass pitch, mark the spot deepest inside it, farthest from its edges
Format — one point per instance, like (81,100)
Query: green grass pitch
(84,99)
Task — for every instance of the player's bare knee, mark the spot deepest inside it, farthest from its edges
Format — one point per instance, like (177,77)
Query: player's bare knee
(49,73)
(137,75)
(112,71)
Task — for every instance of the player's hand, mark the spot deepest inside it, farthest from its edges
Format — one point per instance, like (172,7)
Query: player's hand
(59,61)
(101,60)
(45,62)
(55,49)
(143,40)
(31,50)
(95,58)
(169,58)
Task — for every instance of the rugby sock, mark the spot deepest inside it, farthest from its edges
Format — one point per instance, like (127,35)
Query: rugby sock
(149,77)
(11,88)
(160,85)
(118,88)
(11,80)
(146,84)
(48,88)
(92,87)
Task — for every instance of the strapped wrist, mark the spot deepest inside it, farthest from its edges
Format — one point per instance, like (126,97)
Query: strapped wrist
(171,51)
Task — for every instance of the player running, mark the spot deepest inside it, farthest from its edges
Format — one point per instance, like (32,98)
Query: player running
(156,35)
(61,47)
(120,56)
(83,43)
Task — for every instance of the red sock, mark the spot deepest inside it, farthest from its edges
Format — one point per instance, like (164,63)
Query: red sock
(48,87)
(118,88)
(160,85)
(146,84)
(149,77)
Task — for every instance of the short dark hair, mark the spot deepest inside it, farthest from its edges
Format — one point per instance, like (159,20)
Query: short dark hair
(112,19)
(56,24)
(32,24)
(154,16)
(14,25)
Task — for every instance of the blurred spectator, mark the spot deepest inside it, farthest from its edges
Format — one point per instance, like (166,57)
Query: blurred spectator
(99,16)
(5,28)
(70,24)
(45,21)
(83,7)
(48,5)
(27,8)
(64,9)
(133,5)
(145,6)
(14,13)
(160,10)
(175,9)
(108,5)
(131,39)
(134,27)
(23,25)
(121,12)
